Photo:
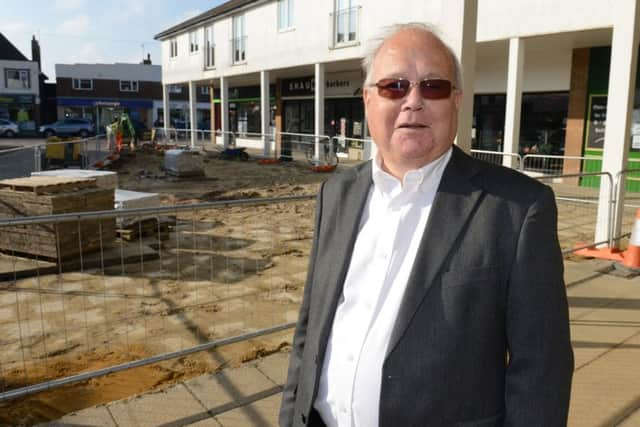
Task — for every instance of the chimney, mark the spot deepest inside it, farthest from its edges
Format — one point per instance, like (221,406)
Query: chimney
(35,52)
(148,60)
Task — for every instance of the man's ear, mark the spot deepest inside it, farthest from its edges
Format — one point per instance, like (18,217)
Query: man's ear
(457,99)
(366,96)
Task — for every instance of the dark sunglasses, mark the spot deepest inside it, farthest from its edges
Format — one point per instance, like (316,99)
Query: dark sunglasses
(429,88)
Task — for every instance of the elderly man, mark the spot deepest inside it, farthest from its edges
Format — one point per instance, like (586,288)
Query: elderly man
(435,294)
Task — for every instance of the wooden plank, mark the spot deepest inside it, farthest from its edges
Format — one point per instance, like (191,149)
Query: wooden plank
(47,184)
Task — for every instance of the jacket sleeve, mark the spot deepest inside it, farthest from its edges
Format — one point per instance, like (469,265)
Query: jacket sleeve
(540,364)
(299,337)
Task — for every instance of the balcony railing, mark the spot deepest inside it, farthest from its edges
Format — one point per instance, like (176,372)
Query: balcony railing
(239,50)
(345,27)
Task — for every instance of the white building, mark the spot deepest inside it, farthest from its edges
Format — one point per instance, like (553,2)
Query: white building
(536,71)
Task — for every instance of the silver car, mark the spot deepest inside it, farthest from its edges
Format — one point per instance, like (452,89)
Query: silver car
(8,128)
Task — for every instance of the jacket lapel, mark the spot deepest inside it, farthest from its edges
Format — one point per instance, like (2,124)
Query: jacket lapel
(346,214)
(456,199)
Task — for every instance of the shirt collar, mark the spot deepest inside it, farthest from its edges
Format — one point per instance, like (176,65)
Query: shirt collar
(414,180)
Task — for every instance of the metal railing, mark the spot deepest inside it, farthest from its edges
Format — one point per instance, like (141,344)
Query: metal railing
(578,208)
(555,164)
(498,157)
(79,153)
(176,280)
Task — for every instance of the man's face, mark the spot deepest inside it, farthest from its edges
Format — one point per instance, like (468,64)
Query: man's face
(411,132)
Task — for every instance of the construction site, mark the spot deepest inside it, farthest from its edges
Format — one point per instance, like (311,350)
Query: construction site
(136,279)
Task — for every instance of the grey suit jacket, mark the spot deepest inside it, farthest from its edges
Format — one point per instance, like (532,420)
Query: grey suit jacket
(482,335)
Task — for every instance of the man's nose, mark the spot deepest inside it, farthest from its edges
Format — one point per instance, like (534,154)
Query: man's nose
(413,101)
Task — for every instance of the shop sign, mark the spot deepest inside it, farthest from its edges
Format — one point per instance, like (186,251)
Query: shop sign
(106,104)
(597,120)
(17,99)
(343,84)
(336,85)
(303,86)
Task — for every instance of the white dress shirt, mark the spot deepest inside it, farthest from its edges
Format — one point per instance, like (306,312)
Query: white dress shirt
(390,232)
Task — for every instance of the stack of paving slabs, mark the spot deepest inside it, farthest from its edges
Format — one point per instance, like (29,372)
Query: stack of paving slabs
(48,195)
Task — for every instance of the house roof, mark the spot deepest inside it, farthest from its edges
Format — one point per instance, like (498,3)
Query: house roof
(9,52)
(226,7)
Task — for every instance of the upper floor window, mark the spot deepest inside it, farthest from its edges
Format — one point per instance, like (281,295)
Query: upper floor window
(17,79)
(285,14)
(209,48)
(83,84)
(345,22)
(173,47)
(239,40)
(193,42)
(128,86)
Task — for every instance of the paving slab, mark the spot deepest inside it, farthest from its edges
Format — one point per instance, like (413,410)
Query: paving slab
(170,406)
(263,413)
(97,416)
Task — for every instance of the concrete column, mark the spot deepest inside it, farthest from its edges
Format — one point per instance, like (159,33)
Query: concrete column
(466,49)
(319,106)
(622,76)
(193,115)
(265,113)
(212,116)
(514,101)
(224,110)
(165,110)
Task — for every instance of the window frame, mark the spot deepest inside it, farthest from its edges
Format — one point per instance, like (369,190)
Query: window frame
(194,46)
(209,48)
(238,41)
(286,8)
(20,79)
(173,47)
(76,84)
(134,86)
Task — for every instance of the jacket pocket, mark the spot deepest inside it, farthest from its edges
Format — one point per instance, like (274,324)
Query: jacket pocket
(453,278)
(494,420)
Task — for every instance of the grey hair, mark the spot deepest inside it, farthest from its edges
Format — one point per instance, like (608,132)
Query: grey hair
(376,43)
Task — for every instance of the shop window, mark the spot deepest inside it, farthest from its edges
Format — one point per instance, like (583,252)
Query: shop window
(173,47)
(193,42)
(82,84)
(175,89)
(17,79)
(204,90)
(285,14)
(128,86)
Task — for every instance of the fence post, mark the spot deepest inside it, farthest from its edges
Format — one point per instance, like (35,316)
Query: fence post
(37,159)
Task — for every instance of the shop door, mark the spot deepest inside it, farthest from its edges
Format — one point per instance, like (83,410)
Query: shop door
(298,121)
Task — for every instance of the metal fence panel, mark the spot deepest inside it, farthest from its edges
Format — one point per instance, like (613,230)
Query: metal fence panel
(175,279)
(18,162)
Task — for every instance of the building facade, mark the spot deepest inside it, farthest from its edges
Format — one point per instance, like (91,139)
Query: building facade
(539,75)
(101,92)
(19,87)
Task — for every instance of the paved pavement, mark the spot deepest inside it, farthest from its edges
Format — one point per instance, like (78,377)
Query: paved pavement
(605,326)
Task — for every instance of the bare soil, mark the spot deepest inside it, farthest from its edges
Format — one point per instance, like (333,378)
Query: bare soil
(245,272)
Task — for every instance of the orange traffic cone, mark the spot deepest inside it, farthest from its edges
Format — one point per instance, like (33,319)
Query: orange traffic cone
(631,257)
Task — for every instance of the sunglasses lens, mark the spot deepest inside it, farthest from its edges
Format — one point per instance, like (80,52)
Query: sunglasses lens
(435,88)
(393,88)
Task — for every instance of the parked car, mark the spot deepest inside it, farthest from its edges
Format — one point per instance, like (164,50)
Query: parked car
(68,127)
(8,128)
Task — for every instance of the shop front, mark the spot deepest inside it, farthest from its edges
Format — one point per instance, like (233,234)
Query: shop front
(103,112)
(343,108)
(20,109)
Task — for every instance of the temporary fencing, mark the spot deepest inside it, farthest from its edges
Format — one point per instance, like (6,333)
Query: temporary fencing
(80,153)
(177,280)
(577,208)
(498,157)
